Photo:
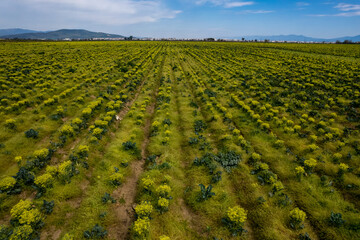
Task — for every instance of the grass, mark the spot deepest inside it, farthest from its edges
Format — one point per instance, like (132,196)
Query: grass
(186,82)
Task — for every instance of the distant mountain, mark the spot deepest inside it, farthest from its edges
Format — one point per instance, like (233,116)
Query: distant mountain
(11,31)
(63,34)
(354,39)
(298,38)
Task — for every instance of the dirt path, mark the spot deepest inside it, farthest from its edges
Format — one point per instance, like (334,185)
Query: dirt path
(127,191)
(124,210)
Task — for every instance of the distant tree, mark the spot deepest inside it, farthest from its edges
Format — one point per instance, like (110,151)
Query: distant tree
(242,39)
(347,42)
(338,42)
(267,40)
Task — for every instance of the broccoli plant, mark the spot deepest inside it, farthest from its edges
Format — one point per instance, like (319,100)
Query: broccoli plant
(336,219)
(107,198)
(31,133)
(48,207)
(216,177)
(199,126)
(97,232)
(131,147)
(304,236)
(205,192)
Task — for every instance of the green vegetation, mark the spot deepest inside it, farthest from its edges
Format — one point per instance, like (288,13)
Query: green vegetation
(179,140)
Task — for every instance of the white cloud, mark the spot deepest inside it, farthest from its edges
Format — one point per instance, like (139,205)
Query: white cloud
(226,3)
(302,4)
(237,4)
(348,7)
(256,11)
(109,12)
(346,10)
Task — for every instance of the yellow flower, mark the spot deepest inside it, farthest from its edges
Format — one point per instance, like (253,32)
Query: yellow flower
(18,159)
(141,227)
(76,121)
(7,183)
(144,209)
(263,166)
(278,186)
(67,130)
(236,132)
(297,215)
(299,170)
(337,156)
(64,167)
(67,237)
(51,170)
(163,190)
(44,180)
(255,156)
(10,123)
(30,217)
(237,215)
(343,167)
(21,232)
(41,154)
(147,183)
(163,203)
(116,178)
(310,163)
(83,150)
(18,209)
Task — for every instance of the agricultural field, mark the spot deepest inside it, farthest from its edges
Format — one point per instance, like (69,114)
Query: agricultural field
(179,140)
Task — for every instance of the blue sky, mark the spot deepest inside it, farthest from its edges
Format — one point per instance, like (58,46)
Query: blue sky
(187,18)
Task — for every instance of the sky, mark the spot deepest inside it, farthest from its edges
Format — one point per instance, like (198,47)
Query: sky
(187,18)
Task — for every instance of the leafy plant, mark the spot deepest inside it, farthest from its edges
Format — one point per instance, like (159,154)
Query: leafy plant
(304,236)
(199,126)
(336,219)
(31,133)
(205,192)
(48,207)
(216,177)
(228,159)
(107,198)
(97,232)
(167,122)
(129,145)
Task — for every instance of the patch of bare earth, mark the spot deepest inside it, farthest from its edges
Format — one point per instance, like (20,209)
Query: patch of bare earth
(53,234)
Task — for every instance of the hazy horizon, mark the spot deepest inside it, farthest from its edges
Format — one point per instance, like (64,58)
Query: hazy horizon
(185,18)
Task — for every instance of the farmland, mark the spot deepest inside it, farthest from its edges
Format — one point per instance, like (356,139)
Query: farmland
(179,140)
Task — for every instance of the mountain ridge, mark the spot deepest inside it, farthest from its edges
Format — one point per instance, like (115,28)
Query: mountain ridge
(12,31)
(62,34)
(299,38)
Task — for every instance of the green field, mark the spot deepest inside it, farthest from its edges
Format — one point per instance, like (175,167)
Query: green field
(179,140)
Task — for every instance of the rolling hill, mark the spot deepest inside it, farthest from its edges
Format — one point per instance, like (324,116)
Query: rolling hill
(62,34)
(12,31)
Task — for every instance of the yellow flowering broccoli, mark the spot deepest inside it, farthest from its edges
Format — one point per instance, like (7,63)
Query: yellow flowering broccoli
(144,209)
